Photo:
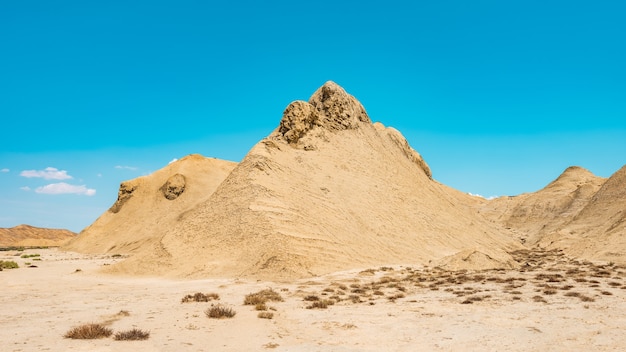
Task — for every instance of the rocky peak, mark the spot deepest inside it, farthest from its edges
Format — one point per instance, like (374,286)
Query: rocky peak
(338,110)
(330,108)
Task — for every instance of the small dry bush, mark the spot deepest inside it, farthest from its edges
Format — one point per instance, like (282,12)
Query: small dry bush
(262,296)
(8,265)
(132,335)
(311,298)
(220,312)
(265,315)
(539,299)
(200,297)
(323,304)
(88,332)
(586,298)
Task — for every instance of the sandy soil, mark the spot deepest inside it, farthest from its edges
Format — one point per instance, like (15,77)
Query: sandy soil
(551,303)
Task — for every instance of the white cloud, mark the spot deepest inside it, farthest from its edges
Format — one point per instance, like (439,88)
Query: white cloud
(25,188)
(173,161)
(49,173)
(481,196)
(64,188)
(5,170)
(133,168)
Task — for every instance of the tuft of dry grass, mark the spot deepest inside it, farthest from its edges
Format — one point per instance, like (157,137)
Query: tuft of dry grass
(88,332)
(200,297)
(262,296)
(311,298)
(132,335)
(220,312)
(266,315)
(8,265)
(323,304)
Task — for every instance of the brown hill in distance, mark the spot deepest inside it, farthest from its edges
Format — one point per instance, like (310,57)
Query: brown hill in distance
(148,205)
(30,236)
(326,191)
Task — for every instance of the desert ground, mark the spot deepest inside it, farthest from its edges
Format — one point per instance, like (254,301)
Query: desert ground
(551,302)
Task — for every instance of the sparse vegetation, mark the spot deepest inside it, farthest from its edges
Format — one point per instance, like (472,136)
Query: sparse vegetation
(88,332)
(220,312)
(200,297)
(322,304)
(30,255)
(262,296)
(132,335)
(8,265)
(265,315)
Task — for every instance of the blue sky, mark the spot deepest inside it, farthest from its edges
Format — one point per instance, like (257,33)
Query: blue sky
(498,96)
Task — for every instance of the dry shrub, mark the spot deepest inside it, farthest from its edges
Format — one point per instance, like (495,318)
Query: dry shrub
(260,306)
(262,296)
(606,293)
(200,297)
(323,304)
(265,315)
(540,299)
(311,298)
(586,298)
(132,335)
(88,332)
(220,312)
(572,294)
(8,265)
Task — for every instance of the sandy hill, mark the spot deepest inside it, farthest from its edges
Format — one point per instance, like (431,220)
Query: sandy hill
(328,190)
(579,213)
(25,235)
(597,231)
(534,215)
(149,205)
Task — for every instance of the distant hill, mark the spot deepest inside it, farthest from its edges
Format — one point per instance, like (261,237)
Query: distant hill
(25,235)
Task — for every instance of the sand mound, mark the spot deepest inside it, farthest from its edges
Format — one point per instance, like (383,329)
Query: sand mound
(30,236)
(149,205)
(326,191)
